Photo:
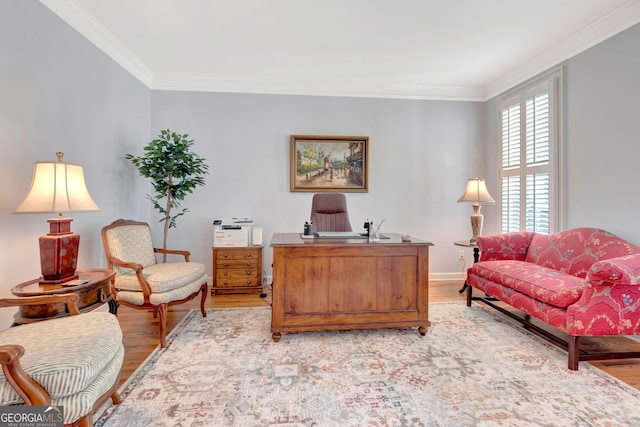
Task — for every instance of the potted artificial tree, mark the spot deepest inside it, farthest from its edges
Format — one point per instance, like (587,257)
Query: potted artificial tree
(174,172)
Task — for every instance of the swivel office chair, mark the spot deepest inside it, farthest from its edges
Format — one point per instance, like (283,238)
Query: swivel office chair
(329,212)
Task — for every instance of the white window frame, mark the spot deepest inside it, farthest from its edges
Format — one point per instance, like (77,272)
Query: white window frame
(554,82)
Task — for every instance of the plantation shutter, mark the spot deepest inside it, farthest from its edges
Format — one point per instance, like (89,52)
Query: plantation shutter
(527,132)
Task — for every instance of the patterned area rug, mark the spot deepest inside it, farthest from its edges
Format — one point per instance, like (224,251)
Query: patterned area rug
(471,369)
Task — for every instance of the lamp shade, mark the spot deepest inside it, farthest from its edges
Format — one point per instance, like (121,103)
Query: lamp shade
(476,192)
(57,187)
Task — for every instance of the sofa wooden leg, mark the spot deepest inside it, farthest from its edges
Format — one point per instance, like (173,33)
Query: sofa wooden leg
(574,352)
(469,295)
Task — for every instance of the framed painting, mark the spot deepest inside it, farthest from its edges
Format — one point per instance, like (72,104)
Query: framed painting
(329,163)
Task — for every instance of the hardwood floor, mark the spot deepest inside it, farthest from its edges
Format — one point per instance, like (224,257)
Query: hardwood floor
(140,329)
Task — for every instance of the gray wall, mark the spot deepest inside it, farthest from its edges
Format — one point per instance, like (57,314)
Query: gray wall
(421,155)
(59,93)
(603,136)
(602,146)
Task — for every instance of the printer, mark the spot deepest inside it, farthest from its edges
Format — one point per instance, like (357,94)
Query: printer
(232,232)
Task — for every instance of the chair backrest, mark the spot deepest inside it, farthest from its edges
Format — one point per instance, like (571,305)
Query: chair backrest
(129,241)
(329,212)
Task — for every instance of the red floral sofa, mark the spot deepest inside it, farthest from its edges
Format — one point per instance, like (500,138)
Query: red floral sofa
(583,281)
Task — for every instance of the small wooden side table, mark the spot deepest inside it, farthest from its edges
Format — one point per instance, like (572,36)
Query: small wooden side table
(93,287)
(476,256)
(237,270)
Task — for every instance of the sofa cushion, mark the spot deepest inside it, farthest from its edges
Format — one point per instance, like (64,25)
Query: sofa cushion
(542,283)
(82,403)
(63,355)
(575,251)
(505,246)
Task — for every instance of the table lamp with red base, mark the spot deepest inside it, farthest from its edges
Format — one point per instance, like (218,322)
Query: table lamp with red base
(58,187)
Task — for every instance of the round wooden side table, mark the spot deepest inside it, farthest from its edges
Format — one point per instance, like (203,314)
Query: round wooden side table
(92,286)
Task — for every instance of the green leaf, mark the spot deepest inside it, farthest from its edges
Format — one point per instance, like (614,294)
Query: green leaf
(174,171)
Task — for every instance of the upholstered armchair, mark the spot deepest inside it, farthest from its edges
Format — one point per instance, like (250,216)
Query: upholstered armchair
(329,212)
(72,361)
(141,282)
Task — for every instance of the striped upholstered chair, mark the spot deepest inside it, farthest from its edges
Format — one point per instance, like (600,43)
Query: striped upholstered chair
(71,362)
(143,283)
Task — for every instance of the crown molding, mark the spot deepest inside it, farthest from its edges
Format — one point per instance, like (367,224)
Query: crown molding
(615,22)
(354,89)
(84,23)
(624,17)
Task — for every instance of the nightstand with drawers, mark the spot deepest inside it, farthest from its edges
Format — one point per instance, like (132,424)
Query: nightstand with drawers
(237,270)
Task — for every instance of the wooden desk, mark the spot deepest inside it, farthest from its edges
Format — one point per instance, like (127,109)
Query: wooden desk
(95,292)
(332,284)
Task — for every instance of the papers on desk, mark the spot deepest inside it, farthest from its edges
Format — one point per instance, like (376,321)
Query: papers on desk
(338,234)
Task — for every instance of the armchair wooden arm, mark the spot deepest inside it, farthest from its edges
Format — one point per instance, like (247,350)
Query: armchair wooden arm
(71,300)
(27,388)
(144,285)
(185,254)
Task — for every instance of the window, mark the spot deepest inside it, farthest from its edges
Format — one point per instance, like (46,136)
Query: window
(529,129)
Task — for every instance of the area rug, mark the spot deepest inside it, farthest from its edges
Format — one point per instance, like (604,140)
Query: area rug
(473,368)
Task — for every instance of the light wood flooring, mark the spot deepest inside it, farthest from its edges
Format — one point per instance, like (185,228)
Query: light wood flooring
(140,329)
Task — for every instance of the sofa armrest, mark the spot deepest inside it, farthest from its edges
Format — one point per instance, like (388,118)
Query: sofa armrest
(624,270)
(27,388)
(507,246)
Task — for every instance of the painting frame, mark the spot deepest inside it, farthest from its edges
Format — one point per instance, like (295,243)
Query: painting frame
(321,163)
